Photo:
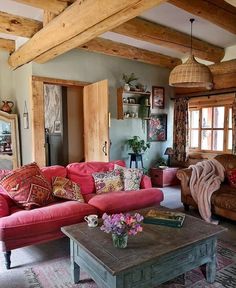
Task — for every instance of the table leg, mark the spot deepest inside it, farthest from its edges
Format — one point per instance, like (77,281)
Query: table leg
(211,266)
(211,271)
(75,272)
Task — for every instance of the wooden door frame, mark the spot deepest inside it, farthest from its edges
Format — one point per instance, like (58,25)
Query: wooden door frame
(37,115)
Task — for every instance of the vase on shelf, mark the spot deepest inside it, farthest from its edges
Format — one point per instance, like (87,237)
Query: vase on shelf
(120,241)
(7,106)
(126,87)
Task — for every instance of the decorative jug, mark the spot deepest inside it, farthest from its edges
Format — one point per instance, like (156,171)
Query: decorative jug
(7,106)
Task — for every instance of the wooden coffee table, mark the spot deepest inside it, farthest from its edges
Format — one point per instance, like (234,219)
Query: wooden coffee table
(152,257)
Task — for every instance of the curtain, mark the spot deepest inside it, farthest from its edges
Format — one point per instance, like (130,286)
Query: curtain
(234,126)
(180,142)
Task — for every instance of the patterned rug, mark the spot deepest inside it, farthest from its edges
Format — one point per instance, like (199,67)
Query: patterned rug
(56,274)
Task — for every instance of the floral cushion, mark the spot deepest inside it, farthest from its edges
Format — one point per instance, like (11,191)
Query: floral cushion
(231,176)
(131,177)
(27,187)
(67,189)
(108,181)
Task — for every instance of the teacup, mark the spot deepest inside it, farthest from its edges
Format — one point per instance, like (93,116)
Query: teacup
(92,220)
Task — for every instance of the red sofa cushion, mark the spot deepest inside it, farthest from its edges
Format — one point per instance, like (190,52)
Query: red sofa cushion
(4,172)
(54,171)
(4,208)
(124,201)
(145,182)
(28,187)
(81,173)
(22,224)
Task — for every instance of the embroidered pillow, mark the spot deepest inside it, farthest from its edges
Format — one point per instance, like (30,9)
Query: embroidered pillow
(131,177)
(28,187)
(231,176)
(66,189)
(108,181)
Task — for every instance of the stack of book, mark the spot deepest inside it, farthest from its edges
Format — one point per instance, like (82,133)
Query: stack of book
(167,218)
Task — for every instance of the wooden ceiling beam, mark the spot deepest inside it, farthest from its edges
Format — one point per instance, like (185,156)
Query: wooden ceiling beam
(117,49)
(167,37)
(224,67)
(78,24)
(47,17)
(18,26)
(54,6)
(211,11)
(7,44)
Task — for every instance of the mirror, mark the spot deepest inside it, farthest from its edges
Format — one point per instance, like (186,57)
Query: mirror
(9,141)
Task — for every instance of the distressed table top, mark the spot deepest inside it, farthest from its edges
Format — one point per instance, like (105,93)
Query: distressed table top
(154,242)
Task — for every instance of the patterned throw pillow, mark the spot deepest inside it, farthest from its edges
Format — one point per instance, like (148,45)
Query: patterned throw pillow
(231,176)
(131,177)
(27,187)
(66,189)
(108,181)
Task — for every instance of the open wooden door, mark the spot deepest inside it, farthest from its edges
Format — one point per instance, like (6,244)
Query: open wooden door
(96,122)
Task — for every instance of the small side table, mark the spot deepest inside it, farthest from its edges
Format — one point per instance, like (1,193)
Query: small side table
(136,158)
(164,177)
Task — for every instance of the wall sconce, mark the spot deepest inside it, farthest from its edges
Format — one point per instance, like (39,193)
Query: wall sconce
(169,151)
(26,117)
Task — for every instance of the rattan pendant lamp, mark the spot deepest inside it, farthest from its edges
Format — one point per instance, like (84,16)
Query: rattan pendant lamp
(191,73)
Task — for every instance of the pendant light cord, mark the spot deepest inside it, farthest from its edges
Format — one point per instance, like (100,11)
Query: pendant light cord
(191,43)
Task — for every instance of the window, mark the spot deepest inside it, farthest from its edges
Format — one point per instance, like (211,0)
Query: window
(210,124)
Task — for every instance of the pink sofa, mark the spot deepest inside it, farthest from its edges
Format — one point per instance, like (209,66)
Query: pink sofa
(20,227)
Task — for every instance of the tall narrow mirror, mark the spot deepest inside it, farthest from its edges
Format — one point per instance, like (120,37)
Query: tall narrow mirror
(9,141)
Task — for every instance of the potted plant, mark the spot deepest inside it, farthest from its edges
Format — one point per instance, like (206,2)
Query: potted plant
(137,145)
(128,79)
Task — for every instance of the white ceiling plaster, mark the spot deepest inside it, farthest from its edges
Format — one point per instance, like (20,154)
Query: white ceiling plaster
(171,16)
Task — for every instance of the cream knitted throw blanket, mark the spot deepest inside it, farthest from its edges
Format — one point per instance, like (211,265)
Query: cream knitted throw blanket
(205,179)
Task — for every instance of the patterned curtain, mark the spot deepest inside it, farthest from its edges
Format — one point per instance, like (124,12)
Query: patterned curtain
(234,127)
(180,143)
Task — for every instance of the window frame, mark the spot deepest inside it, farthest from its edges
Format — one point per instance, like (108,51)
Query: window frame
(205,102)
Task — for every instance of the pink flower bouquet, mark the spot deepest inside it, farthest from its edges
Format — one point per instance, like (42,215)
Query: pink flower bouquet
(122,224)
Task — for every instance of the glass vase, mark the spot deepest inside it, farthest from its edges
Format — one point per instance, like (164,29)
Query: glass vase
(120,241)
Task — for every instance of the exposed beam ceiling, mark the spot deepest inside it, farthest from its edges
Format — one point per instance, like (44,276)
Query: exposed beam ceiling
(54,6)
(223,67)
(96,17)
(158,34)
(47,17)
(211,11)
(113,48)
(19,26)
(7,44)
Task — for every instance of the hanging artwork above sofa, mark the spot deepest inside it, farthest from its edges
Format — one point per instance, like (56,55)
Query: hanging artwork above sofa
(157,128)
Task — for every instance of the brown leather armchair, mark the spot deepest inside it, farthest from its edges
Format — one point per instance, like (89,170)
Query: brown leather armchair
(223,200)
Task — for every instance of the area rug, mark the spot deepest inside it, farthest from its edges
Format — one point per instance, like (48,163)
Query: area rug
(56,274)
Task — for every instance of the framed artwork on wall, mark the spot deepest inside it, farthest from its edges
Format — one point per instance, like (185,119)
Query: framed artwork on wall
(157,128)
(158,97)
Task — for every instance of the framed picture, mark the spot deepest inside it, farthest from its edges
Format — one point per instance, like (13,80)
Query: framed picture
(57,126)
(157,128)
(158,97)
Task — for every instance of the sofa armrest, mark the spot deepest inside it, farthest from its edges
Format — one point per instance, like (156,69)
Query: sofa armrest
(184,176)
(145,182)
(4,207)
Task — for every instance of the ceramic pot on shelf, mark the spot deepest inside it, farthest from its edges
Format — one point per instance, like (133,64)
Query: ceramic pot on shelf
(126,87)
(7,106)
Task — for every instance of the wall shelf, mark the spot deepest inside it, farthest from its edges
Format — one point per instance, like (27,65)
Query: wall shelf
(124,107)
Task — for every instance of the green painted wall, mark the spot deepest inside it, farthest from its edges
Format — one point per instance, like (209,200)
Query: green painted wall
(22,91)
(6,80)
(91,67)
